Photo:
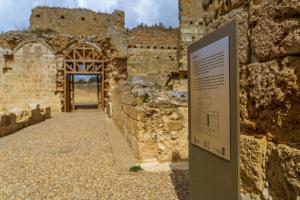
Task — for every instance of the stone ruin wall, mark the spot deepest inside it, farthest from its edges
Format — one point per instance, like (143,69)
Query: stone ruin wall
(81,22)
(31,69)
(28,77)
(269,49)
(153,120)
(152,53)
(39,62)
(192,28)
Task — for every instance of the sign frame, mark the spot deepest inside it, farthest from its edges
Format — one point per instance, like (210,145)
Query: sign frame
(213,177)
(210,124)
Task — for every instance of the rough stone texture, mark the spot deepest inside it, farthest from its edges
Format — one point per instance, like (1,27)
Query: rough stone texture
(14,120)
(273,27)
(253,155)
(154,121)
(75,21)
(283,171)
(59,43)
(241,15)
(81,22)
(29,76)
(192,27)
(269,88)
(215,9)
(269,99)
(152,53)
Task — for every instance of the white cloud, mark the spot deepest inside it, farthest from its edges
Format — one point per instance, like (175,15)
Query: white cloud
(98,5)
(147,11)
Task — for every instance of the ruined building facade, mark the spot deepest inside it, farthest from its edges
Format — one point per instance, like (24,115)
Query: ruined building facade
(152,53)
(144,76)
(37,68)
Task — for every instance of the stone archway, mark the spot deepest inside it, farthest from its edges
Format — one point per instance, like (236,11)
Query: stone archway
(84,59)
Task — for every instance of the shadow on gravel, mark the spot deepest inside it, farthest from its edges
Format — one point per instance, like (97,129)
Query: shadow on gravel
(180,180)
(180,177)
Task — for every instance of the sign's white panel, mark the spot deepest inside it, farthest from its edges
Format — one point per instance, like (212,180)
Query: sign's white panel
(210,99)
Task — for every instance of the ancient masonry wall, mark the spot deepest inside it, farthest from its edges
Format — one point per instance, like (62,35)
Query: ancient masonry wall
(154,121)
(15,120)
(31,69)
(28,76)
(81,22)
(152,53)
(192,27)
(269,49)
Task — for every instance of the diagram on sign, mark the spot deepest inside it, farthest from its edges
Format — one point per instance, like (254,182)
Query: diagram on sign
(210,101)
(209,123)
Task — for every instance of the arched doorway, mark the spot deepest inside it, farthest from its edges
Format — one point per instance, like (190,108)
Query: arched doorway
(84,59)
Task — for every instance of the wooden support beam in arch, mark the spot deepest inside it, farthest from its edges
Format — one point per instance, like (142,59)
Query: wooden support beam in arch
(84,59)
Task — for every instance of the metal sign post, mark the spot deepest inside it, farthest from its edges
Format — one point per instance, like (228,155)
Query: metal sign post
(214,116)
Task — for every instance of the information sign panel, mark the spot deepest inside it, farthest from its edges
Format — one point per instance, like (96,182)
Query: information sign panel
(214,139)
(210,125)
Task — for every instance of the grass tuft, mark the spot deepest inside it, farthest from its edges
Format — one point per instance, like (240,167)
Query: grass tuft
(135,168)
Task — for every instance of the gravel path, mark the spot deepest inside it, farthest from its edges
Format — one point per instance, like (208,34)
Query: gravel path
(69,157)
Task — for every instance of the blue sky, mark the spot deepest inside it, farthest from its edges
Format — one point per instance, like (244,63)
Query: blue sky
(14,14)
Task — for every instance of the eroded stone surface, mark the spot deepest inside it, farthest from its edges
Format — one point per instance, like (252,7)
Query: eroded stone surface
(271,23)
(269,84)
(30,78)
(253,153)
(269,94)
(154,120)
(291,43)
(16,119)
(283,171)
(241,16)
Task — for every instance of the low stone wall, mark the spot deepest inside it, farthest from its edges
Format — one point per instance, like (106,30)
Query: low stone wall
(153,120)
(15,120)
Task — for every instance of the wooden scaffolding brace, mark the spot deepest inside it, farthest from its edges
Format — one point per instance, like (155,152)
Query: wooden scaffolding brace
(84,60)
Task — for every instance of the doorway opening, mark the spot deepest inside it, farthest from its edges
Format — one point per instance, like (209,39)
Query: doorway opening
(86,62)
(86,91)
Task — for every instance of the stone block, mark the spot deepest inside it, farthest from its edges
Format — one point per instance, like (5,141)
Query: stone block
(237,3)
(283,172)
(174,125)
(253,155)
(270,36)
(290,45)
(218,8)
(268,97)
(241,16)
(11,122)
